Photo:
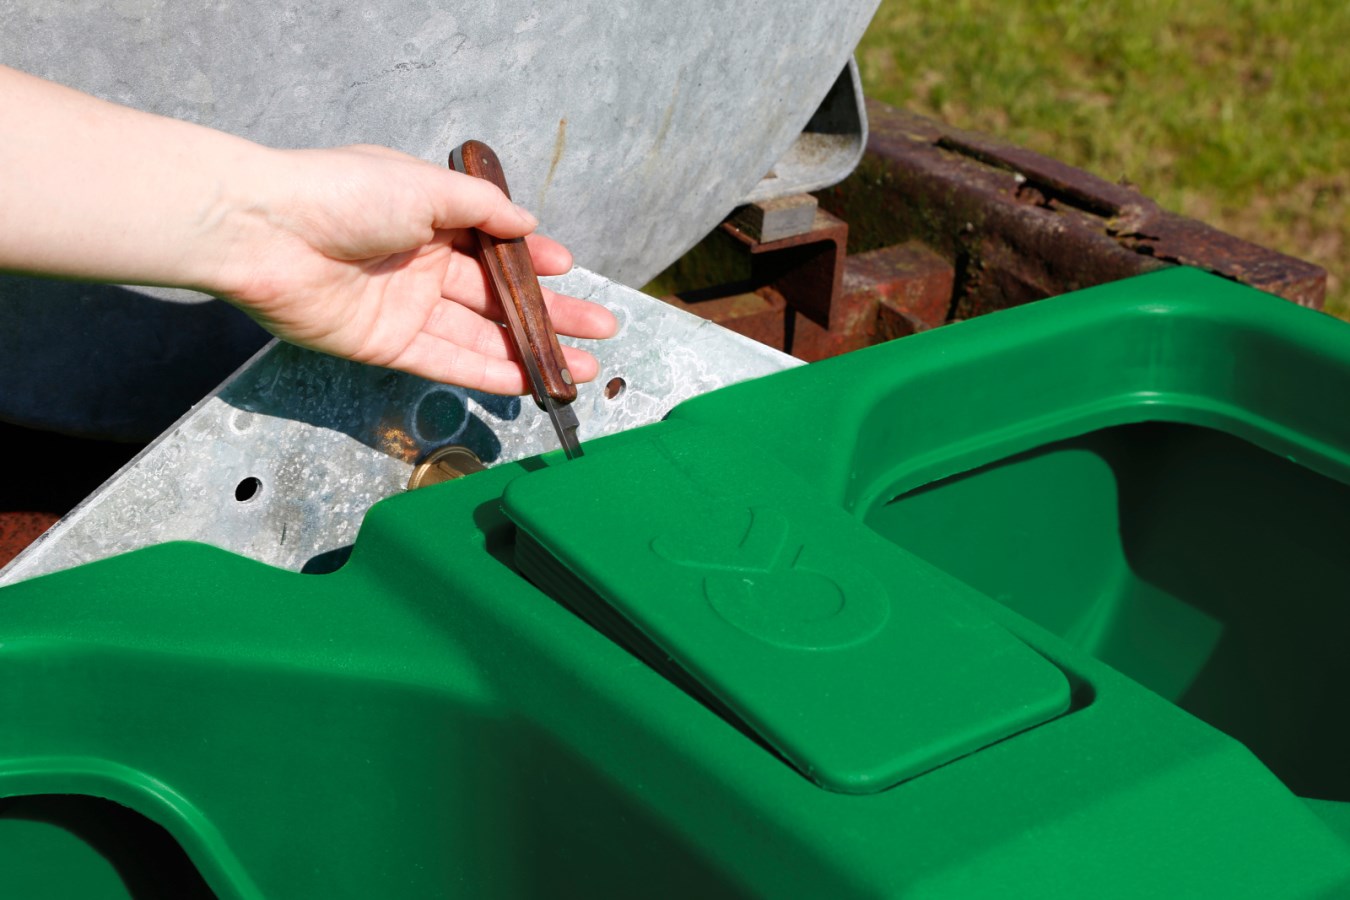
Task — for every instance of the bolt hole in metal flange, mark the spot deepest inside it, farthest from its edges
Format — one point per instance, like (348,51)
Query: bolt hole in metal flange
(248,489)
(614,388)
(445,464)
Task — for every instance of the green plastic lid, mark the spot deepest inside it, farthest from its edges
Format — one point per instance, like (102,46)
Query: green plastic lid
(857,662)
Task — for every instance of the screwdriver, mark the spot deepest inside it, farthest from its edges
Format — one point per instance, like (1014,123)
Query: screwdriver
(511,272)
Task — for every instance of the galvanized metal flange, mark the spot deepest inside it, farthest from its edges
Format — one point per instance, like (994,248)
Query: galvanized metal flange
(282,461)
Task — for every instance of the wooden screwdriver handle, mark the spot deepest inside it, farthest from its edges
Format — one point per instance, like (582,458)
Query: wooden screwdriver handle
(512,273)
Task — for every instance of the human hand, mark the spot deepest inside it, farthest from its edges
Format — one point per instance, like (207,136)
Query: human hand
(366,253)
(361,252)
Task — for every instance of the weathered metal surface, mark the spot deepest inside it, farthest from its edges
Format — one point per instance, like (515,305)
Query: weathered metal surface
(1141,225)
(759,315)
(281,463)
(827,149)
(790,279)
(630,129)
(885,294)
(1002,226)
(909,282)
(1019,226)
(811,300)
(805,269)
(19,528)
(1188,242)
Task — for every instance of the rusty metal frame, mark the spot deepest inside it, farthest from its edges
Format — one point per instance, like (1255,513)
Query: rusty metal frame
(945,224)
(1019,226)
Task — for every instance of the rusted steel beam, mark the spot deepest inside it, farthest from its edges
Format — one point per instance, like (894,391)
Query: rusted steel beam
(806,298)
(946,224)
(887,293)
(882,294)
(805,269)
(795,279)
(758,315)
(908,280)
(1018,226)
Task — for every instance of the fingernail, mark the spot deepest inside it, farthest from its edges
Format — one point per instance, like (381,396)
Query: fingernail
(527,216)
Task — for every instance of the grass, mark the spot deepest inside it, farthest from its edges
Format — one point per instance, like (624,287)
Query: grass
(1236,112)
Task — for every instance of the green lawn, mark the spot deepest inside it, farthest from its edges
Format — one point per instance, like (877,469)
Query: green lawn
(1233,111)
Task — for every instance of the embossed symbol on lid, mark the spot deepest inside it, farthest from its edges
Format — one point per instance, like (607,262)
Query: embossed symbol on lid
(771,586)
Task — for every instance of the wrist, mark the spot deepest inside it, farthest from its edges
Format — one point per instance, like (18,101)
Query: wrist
(237,219)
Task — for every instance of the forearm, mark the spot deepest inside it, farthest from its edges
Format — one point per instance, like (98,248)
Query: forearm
(361,252)
(92,190)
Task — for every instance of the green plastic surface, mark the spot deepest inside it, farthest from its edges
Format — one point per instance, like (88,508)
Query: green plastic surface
(1139,486)
(859,663)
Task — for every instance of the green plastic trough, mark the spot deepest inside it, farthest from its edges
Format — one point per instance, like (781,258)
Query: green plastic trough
(1051,603)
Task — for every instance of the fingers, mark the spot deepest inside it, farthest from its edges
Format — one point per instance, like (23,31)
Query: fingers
(472,336)
(450,362)
(461,326)
(456,200)
(467,284)
(462,201)
(549,256)
(579,318)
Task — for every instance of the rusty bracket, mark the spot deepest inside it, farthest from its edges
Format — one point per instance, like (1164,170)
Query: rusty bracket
(945,224)
(806,296)
(794,285)
(806,269)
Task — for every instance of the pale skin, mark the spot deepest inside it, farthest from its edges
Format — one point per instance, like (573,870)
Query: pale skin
(360,252)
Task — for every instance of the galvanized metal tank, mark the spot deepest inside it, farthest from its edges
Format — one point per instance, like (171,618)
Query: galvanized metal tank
(630,129)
